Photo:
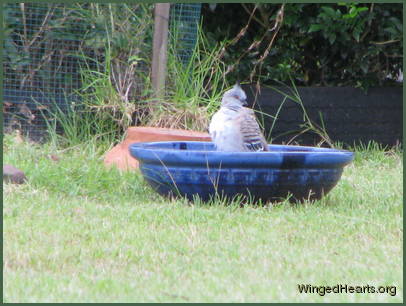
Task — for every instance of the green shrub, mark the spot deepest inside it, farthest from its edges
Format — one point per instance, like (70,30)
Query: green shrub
(342,44)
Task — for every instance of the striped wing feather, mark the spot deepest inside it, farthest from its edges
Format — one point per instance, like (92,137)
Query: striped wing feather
(251,133)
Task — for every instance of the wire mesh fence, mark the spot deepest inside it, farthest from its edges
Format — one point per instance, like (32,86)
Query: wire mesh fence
(185,19)
(38,63)
(47,46)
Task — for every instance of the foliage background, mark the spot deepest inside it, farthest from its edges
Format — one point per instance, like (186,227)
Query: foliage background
(344,44)
(102,54)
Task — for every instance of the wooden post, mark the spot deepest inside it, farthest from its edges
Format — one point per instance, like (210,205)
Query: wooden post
(159,49)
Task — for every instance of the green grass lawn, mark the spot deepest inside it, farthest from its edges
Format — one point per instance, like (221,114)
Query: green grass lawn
(77,232)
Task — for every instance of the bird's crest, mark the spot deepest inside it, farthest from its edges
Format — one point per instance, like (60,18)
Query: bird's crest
(237,93)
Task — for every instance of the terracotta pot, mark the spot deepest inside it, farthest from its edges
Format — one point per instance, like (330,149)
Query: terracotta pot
(120,157)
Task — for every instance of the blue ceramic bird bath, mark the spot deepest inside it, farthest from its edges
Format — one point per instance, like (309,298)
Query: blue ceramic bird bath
(194,168)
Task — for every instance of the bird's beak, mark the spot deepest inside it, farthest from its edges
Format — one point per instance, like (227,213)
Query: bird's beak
(244,102)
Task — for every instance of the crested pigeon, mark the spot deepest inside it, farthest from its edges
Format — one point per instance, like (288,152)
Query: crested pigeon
(234,127)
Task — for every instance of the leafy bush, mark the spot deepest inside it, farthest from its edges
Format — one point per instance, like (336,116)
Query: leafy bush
(344,44)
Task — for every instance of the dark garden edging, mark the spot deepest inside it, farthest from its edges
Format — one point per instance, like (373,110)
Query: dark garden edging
(350,115)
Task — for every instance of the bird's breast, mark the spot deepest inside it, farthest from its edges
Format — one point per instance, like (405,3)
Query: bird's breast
(225,133)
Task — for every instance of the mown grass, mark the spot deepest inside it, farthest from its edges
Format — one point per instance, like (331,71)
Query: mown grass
(77,232)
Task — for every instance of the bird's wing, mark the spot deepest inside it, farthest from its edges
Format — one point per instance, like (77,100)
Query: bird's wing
(251,133)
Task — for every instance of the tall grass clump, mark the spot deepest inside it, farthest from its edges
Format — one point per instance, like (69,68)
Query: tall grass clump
(116,89)
(193,89)
(114,69)
(307,124)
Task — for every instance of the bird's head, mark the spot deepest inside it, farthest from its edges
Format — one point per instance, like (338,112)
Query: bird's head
(235,96)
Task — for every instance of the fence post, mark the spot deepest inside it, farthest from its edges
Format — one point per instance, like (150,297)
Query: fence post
(159,48)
